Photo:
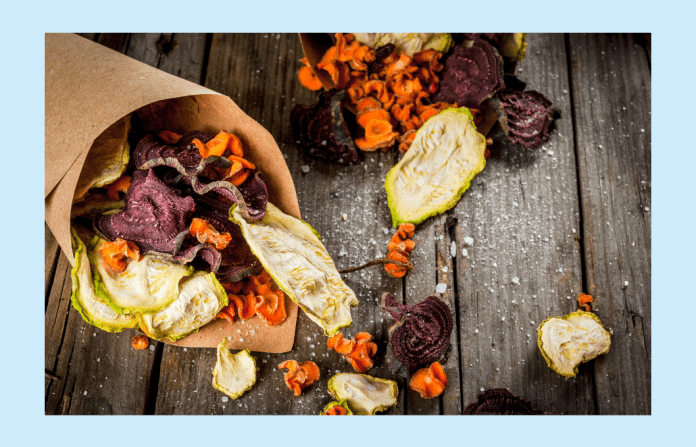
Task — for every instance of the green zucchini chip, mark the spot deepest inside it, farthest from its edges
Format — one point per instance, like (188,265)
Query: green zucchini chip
(234,374)
(85,299)
(567,341)
(293,255)
(364,394)
(146,286)
(444,157)
(200,298)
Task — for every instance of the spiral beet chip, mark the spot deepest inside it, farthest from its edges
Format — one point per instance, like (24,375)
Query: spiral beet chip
(524,116)
(421,334)
(471,75)
(500,401)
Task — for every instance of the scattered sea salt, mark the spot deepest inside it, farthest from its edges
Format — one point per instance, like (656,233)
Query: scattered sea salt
(441,288)
(465,252)
(225,398)
(345,216)
(516,280)
(468,241)
(453,249)
(625,283)
(305,168)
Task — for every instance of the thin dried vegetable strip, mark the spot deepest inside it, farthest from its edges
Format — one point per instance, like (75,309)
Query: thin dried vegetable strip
(299,375)
(429,382)
(114,253)
(245,305)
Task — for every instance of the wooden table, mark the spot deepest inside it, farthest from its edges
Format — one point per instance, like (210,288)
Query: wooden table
(573,216)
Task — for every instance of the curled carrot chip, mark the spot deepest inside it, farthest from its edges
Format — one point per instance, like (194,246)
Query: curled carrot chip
(336,410)
(227,313)
(120,185)
(309,79)
(429,382)
(299,375)
(400,247)
(585,302)
(366,116)
(114,253)
(204,232)
(245,304)
(368,103)
(359,351)
(140,342)
(340,344)
(270,306)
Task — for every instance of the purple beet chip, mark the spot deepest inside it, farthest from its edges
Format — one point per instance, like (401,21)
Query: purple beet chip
(155,216)
(500,401)
(420,335)
(321,130)
(524,116)
(471,75)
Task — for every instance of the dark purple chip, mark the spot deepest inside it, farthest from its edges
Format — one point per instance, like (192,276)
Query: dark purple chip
(155,216)
(500,401)
(420,335)
(321,130)
(471,75)
(493,38)
(524,116)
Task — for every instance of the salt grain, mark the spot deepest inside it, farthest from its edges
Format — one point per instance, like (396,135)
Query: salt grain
(441,288)
(516,280)
(305,169)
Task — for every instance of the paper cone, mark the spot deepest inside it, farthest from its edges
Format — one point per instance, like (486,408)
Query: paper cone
(88,88)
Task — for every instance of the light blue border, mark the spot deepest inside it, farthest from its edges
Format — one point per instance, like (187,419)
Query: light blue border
(674,220)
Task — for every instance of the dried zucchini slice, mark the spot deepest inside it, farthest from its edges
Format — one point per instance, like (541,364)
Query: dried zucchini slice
(293,255)
(364,394)
(445,156)
(84,298)
(146,286)
(234,374)
(200,298)
(567,341)
(334,405)
(409,43)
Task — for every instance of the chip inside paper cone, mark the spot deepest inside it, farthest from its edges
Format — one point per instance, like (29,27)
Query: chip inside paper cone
(89,89)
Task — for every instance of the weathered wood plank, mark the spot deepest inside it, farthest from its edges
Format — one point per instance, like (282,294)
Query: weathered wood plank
(84,357)
(524,263)
(611,97)
(258,72)
(107,355)
(432,265)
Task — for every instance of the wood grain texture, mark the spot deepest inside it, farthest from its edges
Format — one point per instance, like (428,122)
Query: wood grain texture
(99,372)
(612,113)
(537,218)
(524,263)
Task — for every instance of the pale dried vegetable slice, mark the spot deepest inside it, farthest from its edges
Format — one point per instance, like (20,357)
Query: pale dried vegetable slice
(84,298)
(445,156)
(145,286)
(234,374)
(293,255)
(567,341)
(409,43)
(364,394)
(201,297)
(107,158)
